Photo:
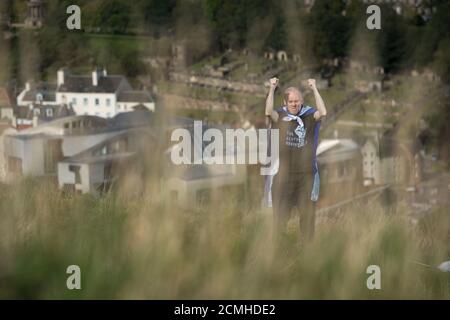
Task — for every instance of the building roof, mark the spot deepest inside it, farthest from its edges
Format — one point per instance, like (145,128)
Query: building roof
(56,126)
(106,84)
(93,154)
(337,145)
(58,111)
(47,90)
(131,119)
(142,96)
(182,122)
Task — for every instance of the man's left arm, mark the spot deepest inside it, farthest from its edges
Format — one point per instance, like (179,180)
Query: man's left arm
(321,110)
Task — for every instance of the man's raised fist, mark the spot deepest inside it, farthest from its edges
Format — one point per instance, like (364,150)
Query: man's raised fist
(312,83)
(273,82)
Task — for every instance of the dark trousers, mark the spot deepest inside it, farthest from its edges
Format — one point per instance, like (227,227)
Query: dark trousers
(294,191)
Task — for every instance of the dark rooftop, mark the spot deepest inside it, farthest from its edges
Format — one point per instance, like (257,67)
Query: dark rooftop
(58,111)
(48,92)
(106,84)
(131,119)
(134,96)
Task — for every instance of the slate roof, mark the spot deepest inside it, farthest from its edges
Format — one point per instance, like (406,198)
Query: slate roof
(58,111)
(134,96)
(79,84)
(131,119)
(48,92)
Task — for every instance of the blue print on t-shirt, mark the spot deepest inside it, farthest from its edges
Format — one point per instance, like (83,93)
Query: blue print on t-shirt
(296,138)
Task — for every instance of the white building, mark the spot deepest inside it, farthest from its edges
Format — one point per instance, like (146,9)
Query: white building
(371,163)
(99,95)
(390,161)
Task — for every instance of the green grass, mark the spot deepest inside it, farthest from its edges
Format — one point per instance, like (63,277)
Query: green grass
(182,89)
(212,116)
(136,244)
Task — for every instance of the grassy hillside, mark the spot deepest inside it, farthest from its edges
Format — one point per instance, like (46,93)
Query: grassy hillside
(136,243)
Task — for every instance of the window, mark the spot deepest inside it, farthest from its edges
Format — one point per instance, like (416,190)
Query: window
(74,101)
(85,101)
(97,102)
(101,152)
(104,150)
(39,97)
(120,145)
(76,170)
(108,102)
(49,112)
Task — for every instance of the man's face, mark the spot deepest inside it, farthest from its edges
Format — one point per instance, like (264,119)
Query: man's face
(294,102)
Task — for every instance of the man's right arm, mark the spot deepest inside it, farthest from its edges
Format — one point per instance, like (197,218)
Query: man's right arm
(269,100)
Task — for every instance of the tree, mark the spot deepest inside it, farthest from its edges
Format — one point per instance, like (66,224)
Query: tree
(231,21)
(330,29)
(277,36)
(158,15)
(441,63)
(112,16)
(391,41)
(429,39)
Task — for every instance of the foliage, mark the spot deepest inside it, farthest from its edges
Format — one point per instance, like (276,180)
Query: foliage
(330,29)
(135,244)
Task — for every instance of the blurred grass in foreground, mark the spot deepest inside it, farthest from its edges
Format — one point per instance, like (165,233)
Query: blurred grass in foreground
(135,244)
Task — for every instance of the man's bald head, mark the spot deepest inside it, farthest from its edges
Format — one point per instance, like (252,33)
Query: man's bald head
(293,98)
(290,90)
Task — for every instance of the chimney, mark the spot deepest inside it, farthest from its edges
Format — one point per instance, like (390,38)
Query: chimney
(61,75)
(94,78)
(96,74)
(104,72)
(27,86)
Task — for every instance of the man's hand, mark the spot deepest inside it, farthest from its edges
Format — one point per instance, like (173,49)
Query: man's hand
(312,84)
(273,82)
(321,110)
